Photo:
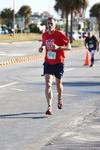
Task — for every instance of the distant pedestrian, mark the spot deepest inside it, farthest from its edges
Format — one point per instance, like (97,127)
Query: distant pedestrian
(92,44)
(54,43)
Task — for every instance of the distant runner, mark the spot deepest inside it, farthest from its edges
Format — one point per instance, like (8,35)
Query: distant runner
(92,44)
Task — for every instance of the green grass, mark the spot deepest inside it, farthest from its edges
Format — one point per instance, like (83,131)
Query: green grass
(20,37)
(77,43)
(30,37)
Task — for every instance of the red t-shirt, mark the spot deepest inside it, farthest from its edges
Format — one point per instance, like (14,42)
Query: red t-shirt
(53,56)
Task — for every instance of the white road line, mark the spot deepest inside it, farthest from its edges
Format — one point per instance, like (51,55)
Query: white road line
(67,94)
(69,69)
(12,54)
(16,54)
(2,53)
(7,85)
(15,89)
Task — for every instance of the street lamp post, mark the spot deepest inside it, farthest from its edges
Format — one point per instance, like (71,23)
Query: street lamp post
(99,24)
(13,17)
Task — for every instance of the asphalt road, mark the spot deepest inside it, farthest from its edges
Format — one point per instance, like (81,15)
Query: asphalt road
(23,123)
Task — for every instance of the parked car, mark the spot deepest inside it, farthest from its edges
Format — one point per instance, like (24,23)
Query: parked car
(5,30)
(75,35)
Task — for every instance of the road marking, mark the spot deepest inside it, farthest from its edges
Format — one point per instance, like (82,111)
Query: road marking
(81,136)
(98,61)
(69,69)
(69,94)
(86,137)
(7,85)
(16,54)
(2,53)
(65,94)
(68,134)
(20,90)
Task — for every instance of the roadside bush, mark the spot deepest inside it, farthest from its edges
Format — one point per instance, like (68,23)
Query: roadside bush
(34,29)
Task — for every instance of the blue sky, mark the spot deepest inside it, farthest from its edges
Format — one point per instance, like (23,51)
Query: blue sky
(37,5)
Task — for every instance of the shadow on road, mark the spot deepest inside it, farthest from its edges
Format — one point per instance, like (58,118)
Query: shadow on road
(81,83)
(28,115)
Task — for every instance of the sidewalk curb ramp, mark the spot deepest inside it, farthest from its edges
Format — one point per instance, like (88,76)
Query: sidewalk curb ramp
(21,59)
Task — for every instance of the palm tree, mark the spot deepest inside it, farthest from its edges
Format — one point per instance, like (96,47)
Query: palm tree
(69,7)
(61,7)
(86,24)
(25,11)
(7,16)
(95,12)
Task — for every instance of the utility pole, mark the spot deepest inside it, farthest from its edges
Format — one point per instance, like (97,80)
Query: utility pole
(99,23)
(13,17)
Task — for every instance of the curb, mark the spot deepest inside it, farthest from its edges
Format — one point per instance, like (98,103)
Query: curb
(21,59)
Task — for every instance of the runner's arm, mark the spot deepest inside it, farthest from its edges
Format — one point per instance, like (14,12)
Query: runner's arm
(66,48)
(41,48)
(97,45)
(85,44)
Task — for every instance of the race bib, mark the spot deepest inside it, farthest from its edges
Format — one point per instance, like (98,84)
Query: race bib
(51,55)
(91,45)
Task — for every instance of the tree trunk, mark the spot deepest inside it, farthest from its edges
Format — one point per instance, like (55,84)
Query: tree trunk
(66,27)
(99,26)
(71,27)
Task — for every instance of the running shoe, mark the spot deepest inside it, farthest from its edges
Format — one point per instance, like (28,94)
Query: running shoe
(49,111)
(60,104)
(91,65)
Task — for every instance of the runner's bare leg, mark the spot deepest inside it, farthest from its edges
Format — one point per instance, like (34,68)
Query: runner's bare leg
(59,88)
(48,89)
